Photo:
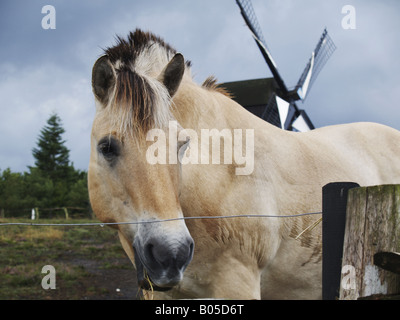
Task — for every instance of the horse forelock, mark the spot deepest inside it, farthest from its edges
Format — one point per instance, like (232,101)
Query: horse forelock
(140,102)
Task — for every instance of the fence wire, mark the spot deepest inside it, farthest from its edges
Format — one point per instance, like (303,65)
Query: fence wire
(101,224)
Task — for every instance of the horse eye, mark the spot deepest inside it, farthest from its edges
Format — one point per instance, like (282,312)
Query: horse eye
(183,145)
(109,148)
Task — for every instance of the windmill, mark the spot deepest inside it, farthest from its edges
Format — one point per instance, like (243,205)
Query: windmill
(270,98)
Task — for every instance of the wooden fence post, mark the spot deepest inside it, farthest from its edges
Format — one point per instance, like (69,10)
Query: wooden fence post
(66,213)
(372,226)
(334,201)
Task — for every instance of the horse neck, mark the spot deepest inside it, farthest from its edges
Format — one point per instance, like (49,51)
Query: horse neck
(199,108)
(196,107)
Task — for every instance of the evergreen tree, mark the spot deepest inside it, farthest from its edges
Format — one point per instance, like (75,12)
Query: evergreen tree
(51,155)
(52,182)
(52,166)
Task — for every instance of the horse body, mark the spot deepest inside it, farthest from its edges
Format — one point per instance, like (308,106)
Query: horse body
(290,171)
(240,258)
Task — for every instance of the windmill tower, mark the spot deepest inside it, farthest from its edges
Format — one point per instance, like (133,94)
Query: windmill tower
(270,98)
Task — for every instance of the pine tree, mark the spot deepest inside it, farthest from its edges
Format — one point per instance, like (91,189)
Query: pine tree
(53,181)
(51,155)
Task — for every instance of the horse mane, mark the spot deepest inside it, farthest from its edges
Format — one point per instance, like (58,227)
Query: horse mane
(211,83)
(140,102)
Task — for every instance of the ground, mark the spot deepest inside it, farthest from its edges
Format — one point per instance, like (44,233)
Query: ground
(106,284)
(89,263)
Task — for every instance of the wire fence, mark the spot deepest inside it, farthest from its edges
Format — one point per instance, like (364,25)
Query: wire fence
(48,213)
(101,224)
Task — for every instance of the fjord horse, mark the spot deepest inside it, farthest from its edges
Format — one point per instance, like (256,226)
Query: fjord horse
(142,84)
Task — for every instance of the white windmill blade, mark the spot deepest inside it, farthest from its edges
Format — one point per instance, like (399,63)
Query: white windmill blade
(302,123)
(278,112)
(283,109)
(249,16)
(303,90)
(319,57)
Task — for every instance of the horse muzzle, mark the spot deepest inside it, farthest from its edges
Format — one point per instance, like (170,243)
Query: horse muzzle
(161,261)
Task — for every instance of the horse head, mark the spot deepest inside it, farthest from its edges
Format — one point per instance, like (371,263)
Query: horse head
(133,95)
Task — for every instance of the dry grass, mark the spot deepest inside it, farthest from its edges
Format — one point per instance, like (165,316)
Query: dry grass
(47,233)
(29,233)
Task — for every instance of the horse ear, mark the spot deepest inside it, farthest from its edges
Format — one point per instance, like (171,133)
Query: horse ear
(172,74)
(103,79)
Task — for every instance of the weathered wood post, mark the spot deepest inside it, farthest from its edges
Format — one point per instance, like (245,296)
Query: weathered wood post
(334,202)
(372,226)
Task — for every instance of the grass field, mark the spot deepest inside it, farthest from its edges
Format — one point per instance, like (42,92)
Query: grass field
(89,262)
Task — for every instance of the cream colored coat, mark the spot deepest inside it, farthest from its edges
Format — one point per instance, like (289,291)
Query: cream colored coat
(245,258)
(240,258)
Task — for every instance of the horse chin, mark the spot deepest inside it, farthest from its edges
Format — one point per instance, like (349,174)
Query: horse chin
(148,284)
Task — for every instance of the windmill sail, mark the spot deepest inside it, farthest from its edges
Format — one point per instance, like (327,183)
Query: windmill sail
(319,57)
(249,16)
(247,11)
(281,109)
(282,114)
(302,123)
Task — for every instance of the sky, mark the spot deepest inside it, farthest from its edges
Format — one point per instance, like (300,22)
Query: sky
(43,71)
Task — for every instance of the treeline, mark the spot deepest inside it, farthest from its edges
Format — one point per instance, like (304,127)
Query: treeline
(53,181)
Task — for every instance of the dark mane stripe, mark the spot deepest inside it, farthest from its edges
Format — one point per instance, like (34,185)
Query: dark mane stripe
(127,50)
(135,93)
(135,97)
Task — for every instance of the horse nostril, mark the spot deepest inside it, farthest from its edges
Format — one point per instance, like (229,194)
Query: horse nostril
(191,249)
(185,255)
(149,252)
(159,254)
